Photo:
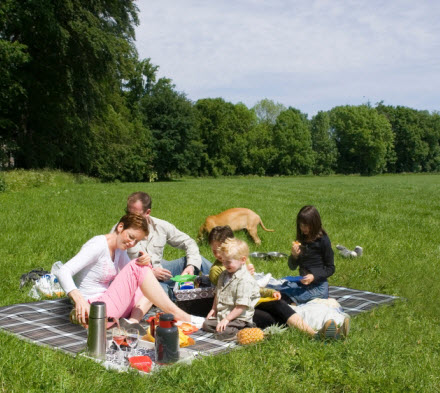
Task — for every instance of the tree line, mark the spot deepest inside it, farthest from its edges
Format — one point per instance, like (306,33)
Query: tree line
(74,95)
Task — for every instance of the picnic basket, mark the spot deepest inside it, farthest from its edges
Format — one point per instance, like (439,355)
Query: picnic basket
(197,301)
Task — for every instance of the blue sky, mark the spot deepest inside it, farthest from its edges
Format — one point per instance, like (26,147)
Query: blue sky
(309,54)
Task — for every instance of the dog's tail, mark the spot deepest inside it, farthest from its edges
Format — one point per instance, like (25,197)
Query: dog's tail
(262,226)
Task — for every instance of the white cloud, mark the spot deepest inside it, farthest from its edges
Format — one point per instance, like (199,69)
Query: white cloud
(297,52)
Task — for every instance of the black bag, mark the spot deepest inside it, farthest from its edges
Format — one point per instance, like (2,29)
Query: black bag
(33,276)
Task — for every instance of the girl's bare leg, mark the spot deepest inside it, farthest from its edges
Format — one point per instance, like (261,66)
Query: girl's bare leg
(297,322)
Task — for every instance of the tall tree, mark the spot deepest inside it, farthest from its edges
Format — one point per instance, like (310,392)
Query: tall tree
(13,95)
(78,54)
(170,116)
(323,144)
(267,111)
(292,139)
(261,151)
(214,125)
(416,138)
(140,83)
(242,121)
(433,161)
(364,139)
(225,131)
(122,147)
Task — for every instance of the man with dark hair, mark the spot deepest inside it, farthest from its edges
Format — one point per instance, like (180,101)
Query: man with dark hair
(160,234)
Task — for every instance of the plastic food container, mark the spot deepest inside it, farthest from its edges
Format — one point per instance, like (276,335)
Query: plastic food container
(142,363)
(187,285)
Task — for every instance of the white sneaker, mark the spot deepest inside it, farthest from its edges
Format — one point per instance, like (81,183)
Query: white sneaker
(197,321)
(348,254)
(358,250)
(262,282)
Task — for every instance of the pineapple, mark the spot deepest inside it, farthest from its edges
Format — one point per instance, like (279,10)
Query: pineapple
(250,335)
(274,329)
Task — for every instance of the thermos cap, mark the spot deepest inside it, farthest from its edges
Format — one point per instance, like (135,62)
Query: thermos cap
(97,310)
(166,317)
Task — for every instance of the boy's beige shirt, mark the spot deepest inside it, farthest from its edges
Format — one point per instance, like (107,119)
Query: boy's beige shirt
(240,290)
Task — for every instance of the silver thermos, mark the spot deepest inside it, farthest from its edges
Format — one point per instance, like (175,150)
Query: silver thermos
(97,338)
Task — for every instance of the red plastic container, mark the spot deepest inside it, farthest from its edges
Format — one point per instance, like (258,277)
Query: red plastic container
(142,363)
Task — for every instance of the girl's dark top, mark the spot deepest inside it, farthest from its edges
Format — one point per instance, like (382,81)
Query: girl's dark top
(316,258)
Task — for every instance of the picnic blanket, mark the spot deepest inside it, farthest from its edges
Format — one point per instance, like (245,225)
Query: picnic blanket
(47,322)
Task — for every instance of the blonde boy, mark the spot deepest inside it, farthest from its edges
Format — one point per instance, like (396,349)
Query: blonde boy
(236,295)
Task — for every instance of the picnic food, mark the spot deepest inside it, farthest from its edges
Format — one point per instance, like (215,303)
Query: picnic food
(184,340)
(250,335)
(296,242)
(187,328)
(148,336)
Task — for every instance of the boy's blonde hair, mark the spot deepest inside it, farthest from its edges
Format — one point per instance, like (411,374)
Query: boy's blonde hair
(234,248)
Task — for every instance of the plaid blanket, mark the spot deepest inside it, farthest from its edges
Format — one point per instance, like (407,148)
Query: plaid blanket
(47,322)
(354,301)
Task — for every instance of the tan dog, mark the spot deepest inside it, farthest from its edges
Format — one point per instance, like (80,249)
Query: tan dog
(237,218)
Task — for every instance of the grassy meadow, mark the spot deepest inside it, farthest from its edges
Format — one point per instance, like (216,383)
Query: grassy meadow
(390,349)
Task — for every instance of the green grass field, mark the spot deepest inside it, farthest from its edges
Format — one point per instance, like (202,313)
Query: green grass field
(390,349)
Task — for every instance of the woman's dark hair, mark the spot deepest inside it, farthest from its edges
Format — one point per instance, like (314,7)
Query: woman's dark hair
(220,234)
(309,215)
(135,221)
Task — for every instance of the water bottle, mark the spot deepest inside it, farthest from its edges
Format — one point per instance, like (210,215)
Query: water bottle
(96,338)
(167,340)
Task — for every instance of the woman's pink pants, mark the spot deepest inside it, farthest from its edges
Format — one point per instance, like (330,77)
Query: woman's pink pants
(124,291)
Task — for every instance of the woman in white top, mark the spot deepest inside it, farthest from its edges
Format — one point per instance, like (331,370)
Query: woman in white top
(102,271)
